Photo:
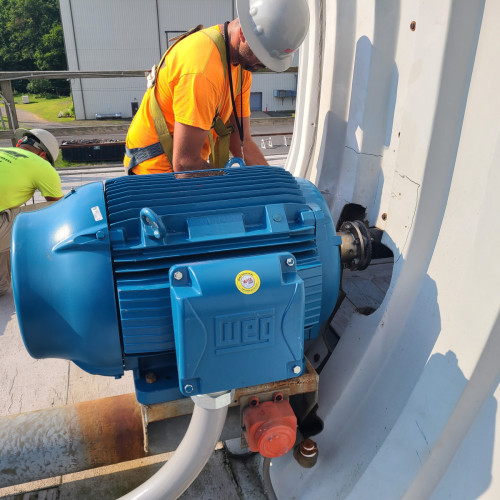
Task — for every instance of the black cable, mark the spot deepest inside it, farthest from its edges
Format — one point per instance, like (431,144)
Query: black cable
(266,476)
(228,58)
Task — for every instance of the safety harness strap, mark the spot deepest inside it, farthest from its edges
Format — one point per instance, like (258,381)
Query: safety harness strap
(216,37)
(219,151)
(160,124)
(138,155)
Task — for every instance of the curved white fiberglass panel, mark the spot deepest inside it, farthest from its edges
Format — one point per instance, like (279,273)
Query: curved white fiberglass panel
(407,125)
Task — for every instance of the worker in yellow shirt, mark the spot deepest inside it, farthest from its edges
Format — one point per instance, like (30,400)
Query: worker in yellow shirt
(23,170)
(197,106)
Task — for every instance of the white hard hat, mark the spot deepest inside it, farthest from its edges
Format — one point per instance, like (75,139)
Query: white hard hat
(47,141)
(274,29)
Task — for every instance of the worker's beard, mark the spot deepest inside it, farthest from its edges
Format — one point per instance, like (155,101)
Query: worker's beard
(248,60)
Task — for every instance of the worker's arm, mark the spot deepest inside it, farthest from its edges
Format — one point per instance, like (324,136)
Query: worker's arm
(251,152)
(188,142)
(48,182)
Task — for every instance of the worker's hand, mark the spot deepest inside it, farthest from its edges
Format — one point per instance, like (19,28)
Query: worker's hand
(250,152)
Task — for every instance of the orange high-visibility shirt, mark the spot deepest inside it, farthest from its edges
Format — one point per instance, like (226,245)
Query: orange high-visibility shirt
(189,88)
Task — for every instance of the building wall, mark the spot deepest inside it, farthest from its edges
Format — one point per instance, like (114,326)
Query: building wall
(267,83)
(132,35)
(111,35)
(178,16)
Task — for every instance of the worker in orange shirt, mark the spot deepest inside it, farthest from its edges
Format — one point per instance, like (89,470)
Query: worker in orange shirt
(197,106)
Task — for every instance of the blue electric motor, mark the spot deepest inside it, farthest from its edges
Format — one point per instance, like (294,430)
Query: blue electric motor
(198,284)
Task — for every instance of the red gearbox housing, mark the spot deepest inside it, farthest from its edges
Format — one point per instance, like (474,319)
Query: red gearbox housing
(270,427)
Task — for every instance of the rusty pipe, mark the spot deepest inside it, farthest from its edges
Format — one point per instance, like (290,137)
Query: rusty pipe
(57,441)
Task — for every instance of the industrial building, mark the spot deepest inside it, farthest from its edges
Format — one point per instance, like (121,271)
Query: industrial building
(121,35)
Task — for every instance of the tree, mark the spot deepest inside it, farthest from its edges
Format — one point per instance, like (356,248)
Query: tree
(50,54)
(31,37)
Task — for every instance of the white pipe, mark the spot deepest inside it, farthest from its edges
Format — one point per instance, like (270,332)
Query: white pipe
(189,459)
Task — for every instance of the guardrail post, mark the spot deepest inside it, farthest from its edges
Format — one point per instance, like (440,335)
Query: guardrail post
(10,107)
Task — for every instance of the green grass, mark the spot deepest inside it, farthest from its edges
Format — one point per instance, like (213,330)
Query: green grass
(47,109)
(62,163)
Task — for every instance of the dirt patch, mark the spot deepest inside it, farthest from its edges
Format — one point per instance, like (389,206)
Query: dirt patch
(25,116)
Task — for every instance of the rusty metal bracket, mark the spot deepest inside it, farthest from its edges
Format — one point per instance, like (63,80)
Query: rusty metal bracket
(306,383)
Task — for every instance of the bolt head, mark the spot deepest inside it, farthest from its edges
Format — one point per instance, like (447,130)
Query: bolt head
(150,378)
(297,369)
(177,275)
(290,262)
(308,448)
(188,388)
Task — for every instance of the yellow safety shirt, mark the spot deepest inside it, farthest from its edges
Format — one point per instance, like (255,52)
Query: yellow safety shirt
(21,174)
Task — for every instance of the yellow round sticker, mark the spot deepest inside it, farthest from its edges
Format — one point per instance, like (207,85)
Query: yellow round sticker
(247,282)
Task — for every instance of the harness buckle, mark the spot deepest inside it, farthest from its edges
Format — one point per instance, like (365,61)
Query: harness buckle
(151,77)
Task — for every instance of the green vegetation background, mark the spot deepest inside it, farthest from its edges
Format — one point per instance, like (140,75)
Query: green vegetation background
(31,39)
(48,109)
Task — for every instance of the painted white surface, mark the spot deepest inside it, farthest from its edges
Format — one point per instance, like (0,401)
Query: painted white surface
(408,126)
(109,36)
